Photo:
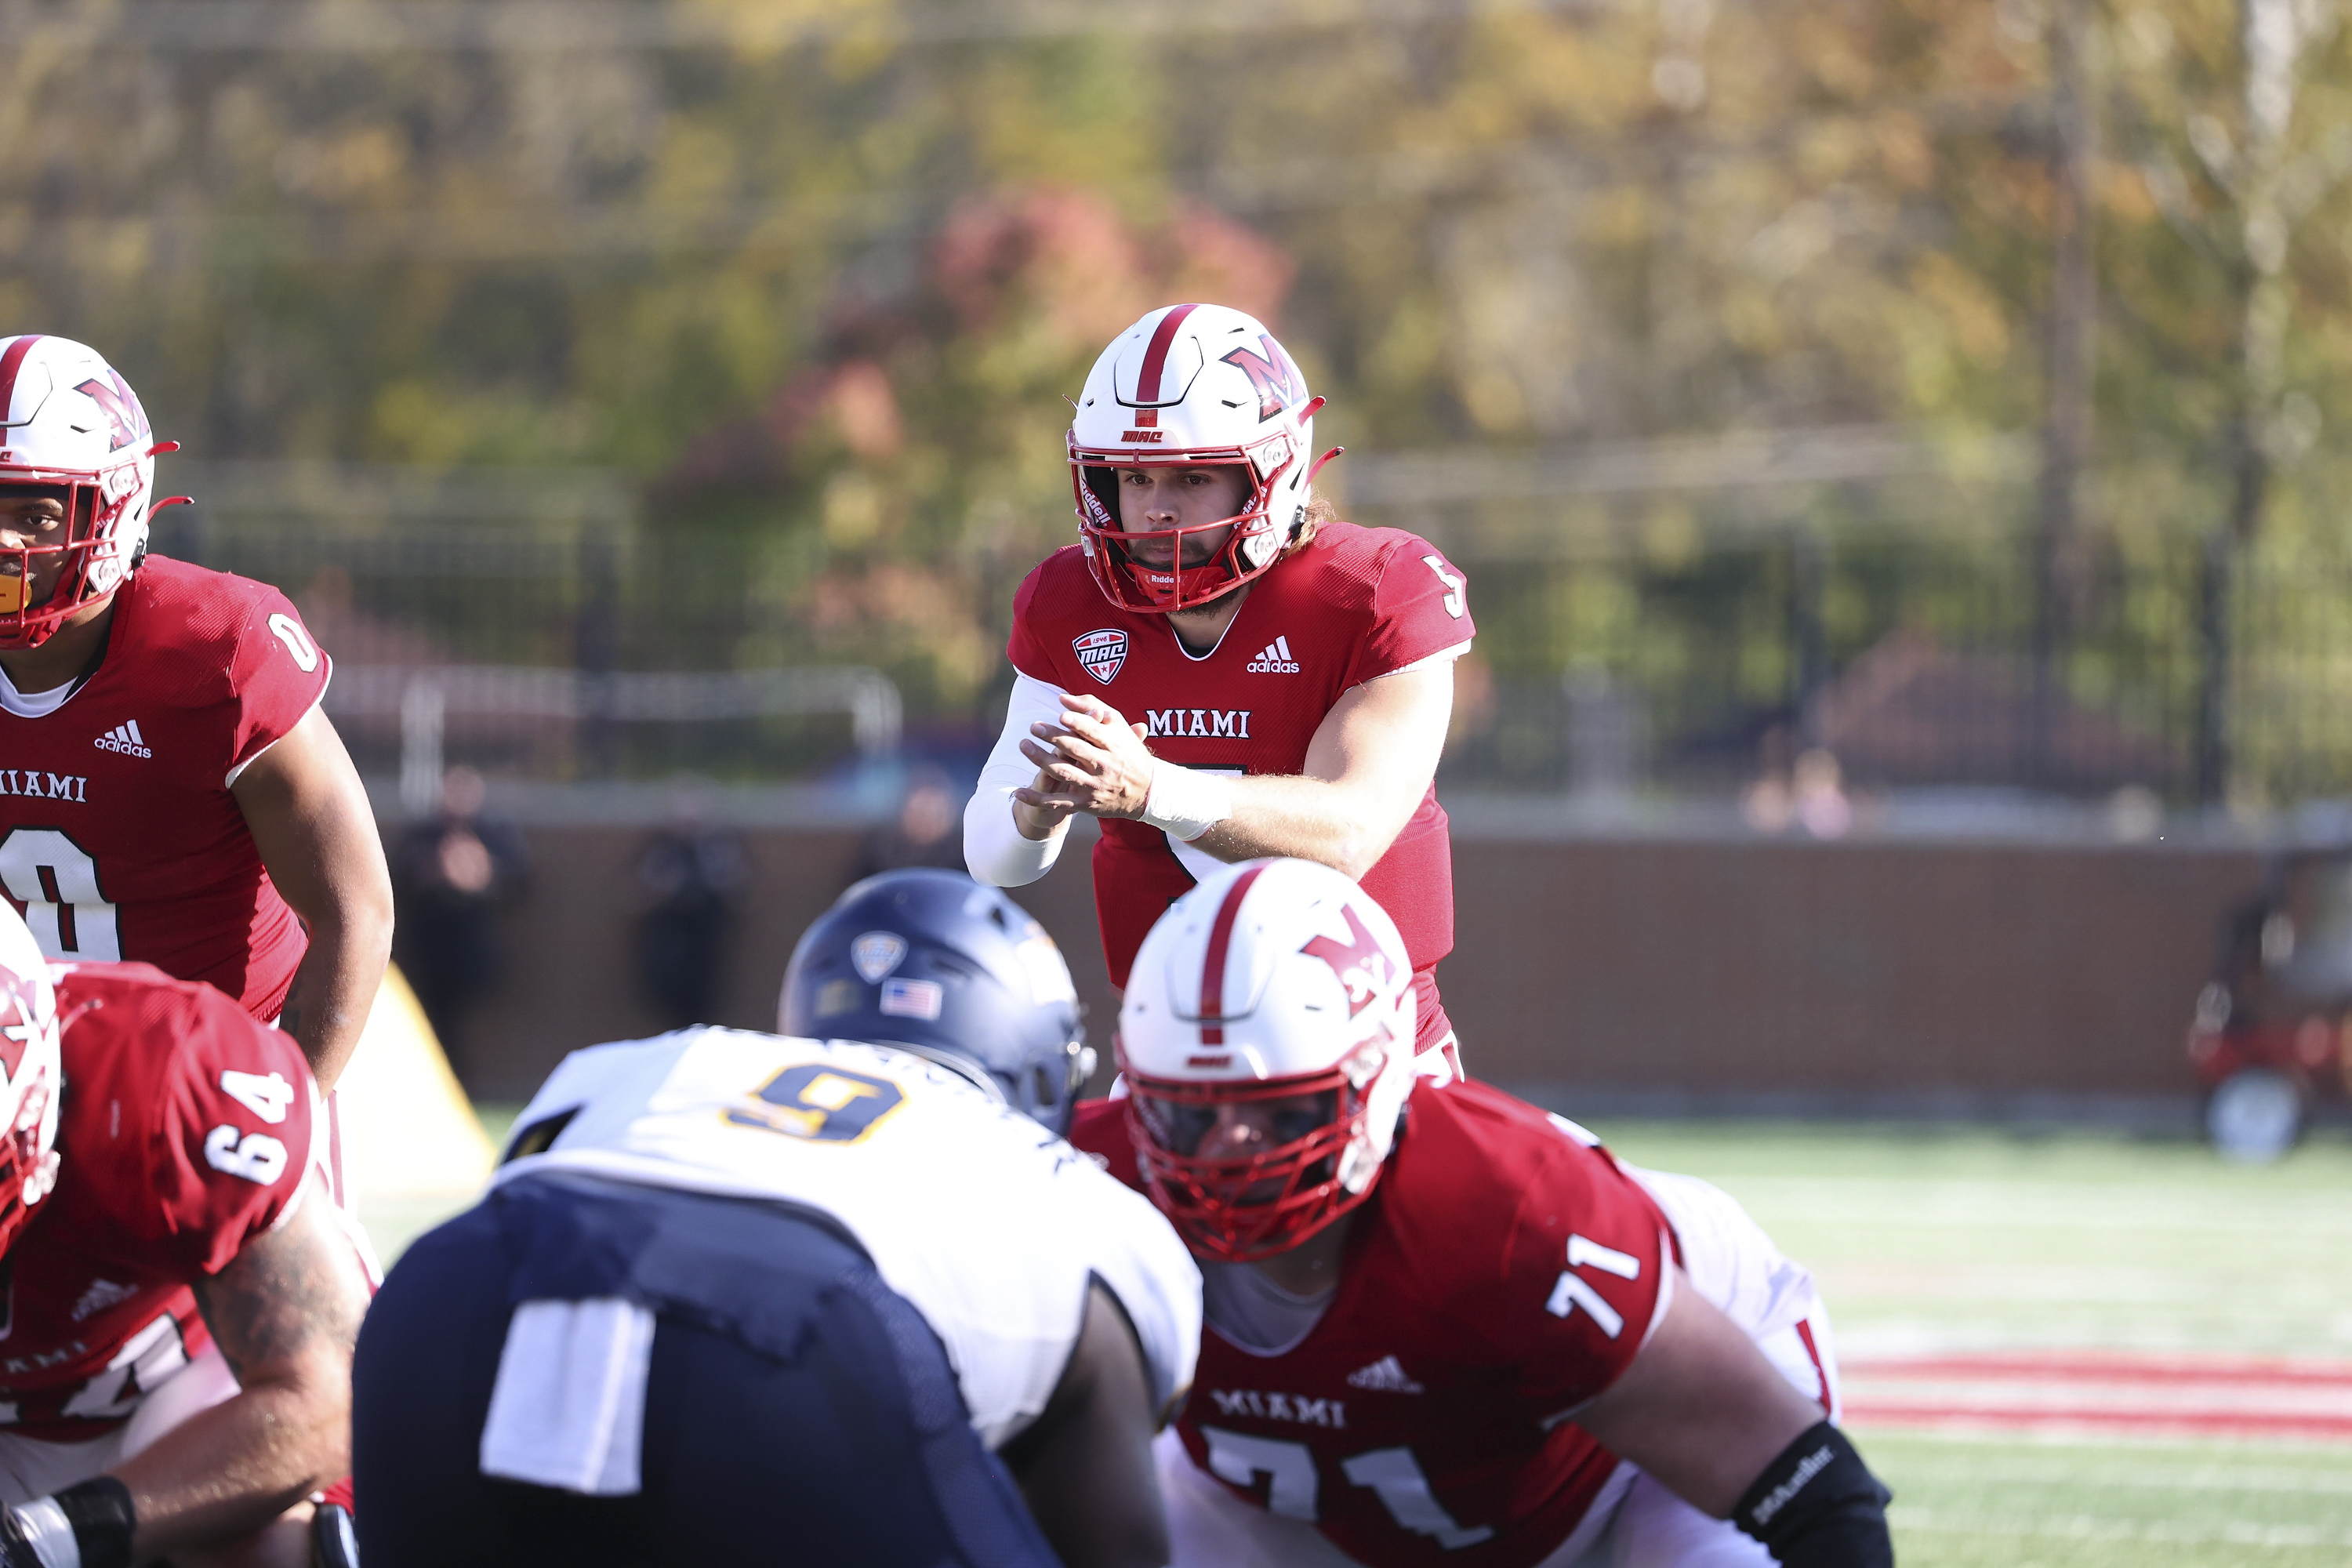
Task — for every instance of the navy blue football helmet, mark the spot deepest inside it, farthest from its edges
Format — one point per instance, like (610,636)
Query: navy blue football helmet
(938,964)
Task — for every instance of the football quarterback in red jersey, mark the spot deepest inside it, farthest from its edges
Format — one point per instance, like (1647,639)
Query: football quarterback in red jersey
(1443,1326)
(1218,669)
(170,790)
(180,1299)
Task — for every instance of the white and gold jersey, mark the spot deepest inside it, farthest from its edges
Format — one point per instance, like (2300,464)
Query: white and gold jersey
(990,1224)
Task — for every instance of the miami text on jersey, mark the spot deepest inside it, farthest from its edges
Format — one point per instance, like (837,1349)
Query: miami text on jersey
(1331,1412)
(61,786)
(1208,724)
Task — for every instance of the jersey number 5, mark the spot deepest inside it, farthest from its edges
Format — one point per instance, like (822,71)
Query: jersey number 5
(1454,601)
(1393,1474)
(54,880)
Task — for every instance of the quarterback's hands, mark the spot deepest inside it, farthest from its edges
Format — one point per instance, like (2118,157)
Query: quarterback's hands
(1094,761)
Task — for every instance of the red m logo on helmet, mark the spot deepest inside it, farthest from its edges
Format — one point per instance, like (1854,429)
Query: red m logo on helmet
(1359,962)
(1277,380)
(121,406)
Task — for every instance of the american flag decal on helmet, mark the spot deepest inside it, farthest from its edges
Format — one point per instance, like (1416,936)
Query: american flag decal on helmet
(1102,653)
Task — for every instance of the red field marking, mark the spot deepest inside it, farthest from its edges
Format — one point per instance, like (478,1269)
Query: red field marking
(2108,1391)
(2115,1366)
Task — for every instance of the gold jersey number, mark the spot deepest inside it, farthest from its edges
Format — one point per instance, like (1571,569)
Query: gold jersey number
(825,1104)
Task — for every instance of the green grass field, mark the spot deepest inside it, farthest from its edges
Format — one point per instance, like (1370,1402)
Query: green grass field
(1930,1239)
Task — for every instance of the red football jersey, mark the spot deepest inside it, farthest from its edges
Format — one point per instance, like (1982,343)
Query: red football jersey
(1356,604)
(1501,1274)
(119,838)
(184,1132)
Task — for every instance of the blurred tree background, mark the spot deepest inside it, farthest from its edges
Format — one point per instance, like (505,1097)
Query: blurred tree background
(1942,385)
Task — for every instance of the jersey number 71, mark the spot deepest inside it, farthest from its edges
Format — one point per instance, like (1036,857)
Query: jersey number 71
(1393,1474)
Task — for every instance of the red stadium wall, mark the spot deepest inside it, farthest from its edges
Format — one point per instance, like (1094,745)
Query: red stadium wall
(1963,975)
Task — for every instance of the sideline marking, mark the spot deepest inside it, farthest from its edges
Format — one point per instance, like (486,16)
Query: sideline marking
(2118,1392)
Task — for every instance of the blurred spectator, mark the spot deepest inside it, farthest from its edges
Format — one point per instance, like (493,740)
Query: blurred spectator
(927,830)
(1767,803)
(1810,795)
(1818,791)
(450,872)
(693,870)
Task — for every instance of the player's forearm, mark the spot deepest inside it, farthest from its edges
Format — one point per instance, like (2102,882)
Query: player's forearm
(328,1006)
(1345,829)
(229,1470)
(1006,843)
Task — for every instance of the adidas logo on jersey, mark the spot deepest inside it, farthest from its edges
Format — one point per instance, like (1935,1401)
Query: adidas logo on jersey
(102,1294)
(1385,1377)
(126,739)
(1274,659)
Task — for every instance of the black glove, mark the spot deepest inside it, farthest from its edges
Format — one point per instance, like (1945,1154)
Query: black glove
(332,1543)
(91,1522)
(17,1549)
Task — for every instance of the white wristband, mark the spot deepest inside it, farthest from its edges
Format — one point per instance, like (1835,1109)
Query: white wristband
(48,1533)
(1187,804)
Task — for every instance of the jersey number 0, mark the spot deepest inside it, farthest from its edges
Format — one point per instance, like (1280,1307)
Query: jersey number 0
(54,880)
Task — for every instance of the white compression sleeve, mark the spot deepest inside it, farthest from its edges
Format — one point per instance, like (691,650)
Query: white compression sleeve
(993,846)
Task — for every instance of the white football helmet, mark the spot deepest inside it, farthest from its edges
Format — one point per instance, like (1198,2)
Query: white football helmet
(1188,386)
(68,421)
(1267,1040)
(32,1076)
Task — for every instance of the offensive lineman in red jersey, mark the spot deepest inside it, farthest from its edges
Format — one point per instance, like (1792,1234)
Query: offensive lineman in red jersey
(1443,1326)
(175,1364)
(1212,622)
(170,790)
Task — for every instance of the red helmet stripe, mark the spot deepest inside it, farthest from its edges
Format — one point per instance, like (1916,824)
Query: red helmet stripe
(1155,354)
(9,364)
(1212,966)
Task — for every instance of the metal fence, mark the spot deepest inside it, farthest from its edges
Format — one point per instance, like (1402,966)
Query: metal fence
(1921,657)
(1916,665)
(523,623)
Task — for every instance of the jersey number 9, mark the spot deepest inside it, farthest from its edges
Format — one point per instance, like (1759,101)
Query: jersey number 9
(820,1103)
